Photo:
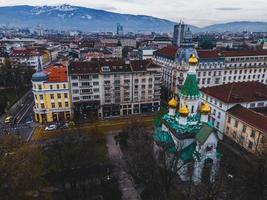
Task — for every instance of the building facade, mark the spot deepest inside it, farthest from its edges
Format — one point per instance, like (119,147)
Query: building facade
(215,67)
(114,88)
(247,128)
(51,94)
(223,97)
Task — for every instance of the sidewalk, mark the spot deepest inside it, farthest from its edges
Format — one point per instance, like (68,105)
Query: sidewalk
(125,180)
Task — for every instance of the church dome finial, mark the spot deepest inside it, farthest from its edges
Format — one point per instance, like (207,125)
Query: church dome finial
(193,60)
(172,103)
(184,111)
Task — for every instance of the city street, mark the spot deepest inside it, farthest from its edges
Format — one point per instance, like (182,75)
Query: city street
(22,115)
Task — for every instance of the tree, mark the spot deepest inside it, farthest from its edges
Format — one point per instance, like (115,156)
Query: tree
(21,168)
(158,175)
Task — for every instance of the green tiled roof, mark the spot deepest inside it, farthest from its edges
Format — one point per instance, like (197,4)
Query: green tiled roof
(162,136)
(192,127)
(190,87)
(187,153)
(204,133)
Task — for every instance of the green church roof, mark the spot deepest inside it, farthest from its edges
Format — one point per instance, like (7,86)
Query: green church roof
(190,87)
(162,136)
(204,133)
(187,153)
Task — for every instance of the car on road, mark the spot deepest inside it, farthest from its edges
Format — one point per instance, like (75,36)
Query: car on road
(8,120)
(51,127)
(29,120)
(64,125)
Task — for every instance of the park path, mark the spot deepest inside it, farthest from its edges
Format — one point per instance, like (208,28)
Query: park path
(125,180)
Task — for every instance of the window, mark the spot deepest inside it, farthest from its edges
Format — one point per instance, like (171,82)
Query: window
(52,96)
(41,97)
(53,105)
(244,128)
(42,105)
(59,104)
(51,87)
(57,86)
(253,133)
(250,145)
(227,130)
(236,123)
(64,86)
(74,84)
(66,104)
(65,95)
(234,134)
(217,124)
(59,96)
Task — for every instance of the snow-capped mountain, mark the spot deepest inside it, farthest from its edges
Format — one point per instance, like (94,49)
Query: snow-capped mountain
(67,17)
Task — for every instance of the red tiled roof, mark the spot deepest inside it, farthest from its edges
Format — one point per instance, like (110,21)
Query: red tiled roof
(238,92)
(167,51)
(56,73)
(208,54)
(25,52)
(250,117)
(218,53)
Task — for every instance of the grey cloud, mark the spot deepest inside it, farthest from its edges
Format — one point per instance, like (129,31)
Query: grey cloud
(228,8)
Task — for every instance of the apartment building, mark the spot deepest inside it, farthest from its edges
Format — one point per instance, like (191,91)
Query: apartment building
(223,97)
(28,57)
(215,67)
(114,88)
(51,94)
(247,128)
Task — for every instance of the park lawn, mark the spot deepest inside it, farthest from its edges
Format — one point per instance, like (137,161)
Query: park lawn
(101,126)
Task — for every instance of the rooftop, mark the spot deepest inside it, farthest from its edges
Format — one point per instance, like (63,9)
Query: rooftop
(56,73)
(238,92)
(169,52)
(257,120)
(113,66)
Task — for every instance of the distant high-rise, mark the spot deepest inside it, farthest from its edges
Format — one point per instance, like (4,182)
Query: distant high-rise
(178,33)
(119,29)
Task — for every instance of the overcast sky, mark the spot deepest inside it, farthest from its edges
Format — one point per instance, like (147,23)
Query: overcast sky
(195,12)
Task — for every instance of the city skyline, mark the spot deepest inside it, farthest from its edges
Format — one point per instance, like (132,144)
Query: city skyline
(194,12)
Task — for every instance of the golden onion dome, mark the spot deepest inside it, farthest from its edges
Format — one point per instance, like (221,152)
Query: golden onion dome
(173,103)
(193,60)
(184,111)
(205,108)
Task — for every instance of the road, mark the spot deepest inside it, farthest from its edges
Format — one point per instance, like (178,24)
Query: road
(22,115)
(126,183)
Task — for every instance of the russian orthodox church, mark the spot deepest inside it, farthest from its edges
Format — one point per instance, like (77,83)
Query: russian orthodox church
(186,132)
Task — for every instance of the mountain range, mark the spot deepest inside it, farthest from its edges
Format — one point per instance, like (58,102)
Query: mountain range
(67,17)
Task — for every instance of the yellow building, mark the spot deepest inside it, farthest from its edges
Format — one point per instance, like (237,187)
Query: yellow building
(51,94)
(247,128)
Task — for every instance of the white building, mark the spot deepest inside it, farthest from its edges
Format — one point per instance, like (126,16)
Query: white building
(114,88)
(145,54)
(223,97)
(215,67)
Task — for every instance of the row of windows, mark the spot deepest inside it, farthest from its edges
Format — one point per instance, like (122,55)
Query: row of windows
(225,72)
(235,78)
(57,86)
(244,127)
(42,105)
(52,96)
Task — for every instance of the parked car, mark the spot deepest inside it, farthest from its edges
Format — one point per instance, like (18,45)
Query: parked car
(64,125)
(8,120)
(51,127)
